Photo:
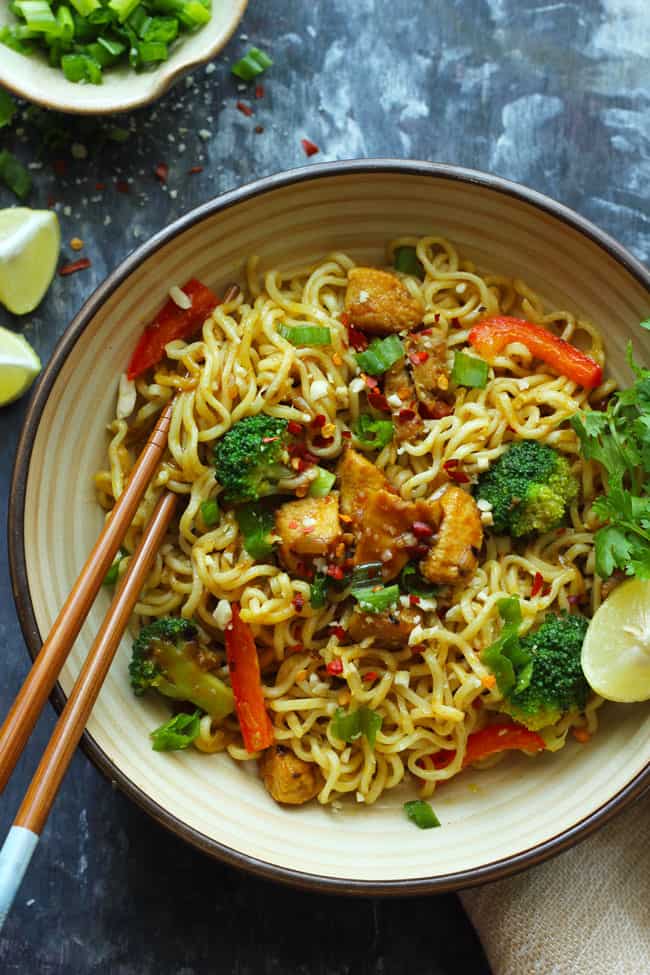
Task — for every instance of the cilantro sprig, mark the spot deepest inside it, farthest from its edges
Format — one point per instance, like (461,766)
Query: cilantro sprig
(618,438)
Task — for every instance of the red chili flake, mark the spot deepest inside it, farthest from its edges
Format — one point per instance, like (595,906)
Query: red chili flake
(538,582)
(259,129)
(309,147)
(59,166)
(269,439)
(421,529)
(426,331)
(370,381)
(296,648)
(455,322)
(417,551)
(51,201)
(100,186)
(335,572)
(319,421)
(79,265)
(259,91)
(358,340)
(195,169)
(414,600)
(346,434)
(335,666)
(300,450)
(560,531)
(122,186)
(308,529)
(452,472)
(294,428)
(370,676)
(245,109)
(320,441)
(298,602)
(477,703)
(161,172)
(378,400)
(436,317)
(293,524)
(546,590)
(437,411)
(405,414)
(344,319)
(338,631)
(417,358)
(417,650)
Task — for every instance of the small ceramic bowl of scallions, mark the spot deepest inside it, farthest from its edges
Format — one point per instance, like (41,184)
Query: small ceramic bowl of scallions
(103,56)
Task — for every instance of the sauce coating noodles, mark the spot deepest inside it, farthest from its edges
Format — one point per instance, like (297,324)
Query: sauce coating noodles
(435,691)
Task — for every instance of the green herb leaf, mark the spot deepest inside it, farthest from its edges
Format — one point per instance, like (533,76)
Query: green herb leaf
(372,433)
(373,600)
(256,522)
(412,581)
(406,261)
(177,733)
(645,324)
(421,813)
(380,355)
(14,175)
(318,590)
(351,725)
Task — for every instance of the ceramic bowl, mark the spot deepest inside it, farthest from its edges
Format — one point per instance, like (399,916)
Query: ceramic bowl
(122,89)
(495,822)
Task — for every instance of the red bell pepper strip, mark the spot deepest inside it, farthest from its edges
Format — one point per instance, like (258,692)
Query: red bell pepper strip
(492,335)
(244,666)
(171,323)
(495,738)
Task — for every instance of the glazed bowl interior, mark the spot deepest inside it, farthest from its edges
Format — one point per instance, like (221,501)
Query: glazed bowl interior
(122,89)
(495,821)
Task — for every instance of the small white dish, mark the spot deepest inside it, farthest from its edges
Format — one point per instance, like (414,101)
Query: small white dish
(122,89)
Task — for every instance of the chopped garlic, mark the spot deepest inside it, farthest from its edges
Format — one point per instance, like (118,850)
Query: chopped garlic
(487,518)
(360,797)
(461,289)
(363,297)
(180,298)
(318,389)
(417,633)
(484,505)
(482,463)
(126,397)
(428,605)
(357,385)
(405,601)
(222,614)
(401,678)
(394,401)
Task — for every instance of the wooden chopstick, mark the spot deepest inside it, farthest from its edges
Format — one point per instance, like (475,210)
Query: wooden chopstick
(19,723)
(23,836)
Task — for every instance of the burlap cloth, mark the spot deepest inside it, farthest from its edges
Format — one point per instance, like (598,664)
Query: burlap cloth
(586,912)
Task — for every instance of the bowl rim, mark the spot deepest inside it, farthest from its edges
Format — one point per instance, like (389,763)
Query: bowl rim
(161,79)
(457,880)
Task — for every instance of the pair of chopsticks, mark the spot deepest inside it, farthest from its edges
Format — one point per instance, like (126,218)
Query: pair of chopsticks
(24,834)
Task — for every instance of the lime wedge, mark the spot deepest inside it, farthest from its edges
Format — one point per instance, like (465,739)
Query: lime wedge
(616,651)
(29,251)
(19,366)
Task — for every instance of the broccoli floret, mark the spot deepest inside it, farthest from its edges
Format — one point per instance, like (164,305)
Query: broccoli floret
(529,488)
(167,657)
(552,683)
(252,457)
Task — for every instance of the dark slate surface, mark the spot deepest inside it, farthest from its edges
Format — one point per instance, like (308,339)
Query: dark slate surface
(553,94)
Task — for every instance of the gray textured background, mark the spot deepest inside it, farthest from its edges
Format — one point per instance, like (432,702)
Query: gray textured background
(552,94)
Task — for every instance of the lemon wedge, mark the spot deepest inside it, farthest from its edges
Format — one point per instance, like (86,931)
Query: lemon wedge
(19,366)
(616,651)
(29,251)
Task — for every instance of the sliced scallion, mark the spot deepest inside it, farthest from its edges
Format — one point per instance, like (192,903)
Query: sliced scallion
(373,433)
(210,512)
(179,732)
(421,813)
(306,334)
(351,725)
(380,355)
(318,590)
(406,261)
(469,371)
(253,63)
(322,483)
(256,524)
(376,600)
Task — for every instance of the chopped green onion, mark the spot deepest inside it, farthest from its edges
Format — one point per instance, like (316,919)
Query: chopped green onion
(371,433)
(506,654)
(179,732)
(351,725)
(306,334)
(322,483)
(210,512)
(85,7)
(406,261)
(380,355)
(469,370)
(80,67)
(66,24)
(373,600)
(193,14)
(318,590)
(153,51)
(421,813)
(161,29)
(256,523)
(412,581)
(123,8)
(253,63)
(117,134)
(38,16)
(14,175)
(645,323)
(111,576)
(7,108)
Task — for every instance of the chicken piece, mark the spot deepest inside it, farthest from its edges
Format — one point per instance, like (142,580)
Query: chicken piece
(359,479)
(427,356)
(287,778)
(384,532)
(377,302)
(453,556)
(310,526)
(390,630)
(398,385)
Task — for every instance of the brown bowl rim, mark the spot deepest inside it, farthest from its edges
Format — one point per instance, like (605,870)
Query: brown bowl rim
(167,79)
(458,880)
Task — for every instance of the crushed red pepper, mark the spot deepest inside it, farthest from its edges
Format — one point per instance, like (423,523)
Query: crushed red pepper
(75,266)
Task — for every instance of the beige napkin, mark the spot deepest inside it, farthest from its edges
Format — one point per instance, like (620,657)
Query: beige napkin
(586,912)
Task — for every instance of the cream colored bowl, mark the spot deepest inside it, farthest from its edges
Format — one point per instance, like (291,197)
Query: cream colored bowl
(494,822)
(122,88)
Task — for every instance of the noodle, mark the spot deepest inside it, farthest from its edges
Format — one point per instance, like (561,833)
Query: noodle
(436,691)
